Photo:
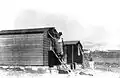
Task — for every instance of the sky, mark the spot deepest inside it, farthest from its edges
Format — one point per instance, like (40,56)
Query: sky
(97,21)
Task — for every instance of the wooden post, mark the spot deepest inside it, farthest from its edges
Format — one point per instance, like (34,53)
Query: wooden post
(72,55)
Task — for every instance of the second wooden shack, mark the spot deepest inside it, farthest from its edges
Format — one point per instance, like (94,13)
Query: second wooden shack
(73,52)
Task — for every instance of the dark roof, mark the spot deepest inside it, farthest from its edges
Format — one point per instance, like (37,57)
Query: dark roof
(71,42)
(23,31)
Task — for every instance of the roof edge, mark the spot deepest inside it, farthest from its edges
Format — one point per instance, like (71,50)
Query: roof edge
(23,31)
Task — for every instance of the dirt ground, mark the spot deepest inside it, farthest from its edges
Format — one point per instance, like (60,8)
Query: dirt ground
(96,74)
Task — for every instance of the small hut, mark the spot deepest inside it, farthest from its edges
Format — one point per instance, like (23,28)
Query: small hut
(29,47)
(73,52)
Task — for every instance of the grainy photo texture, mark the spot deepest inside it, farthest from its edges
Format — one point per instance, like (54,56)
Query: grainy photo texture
(59,38)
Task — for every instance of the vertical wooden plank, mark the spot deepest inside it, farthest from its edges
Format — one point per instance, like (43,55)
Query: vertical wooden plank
(65,52)
(72,54)
(46,48)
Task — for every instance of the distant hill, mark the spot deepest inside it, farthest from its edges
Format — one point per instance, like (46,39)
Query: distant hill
(93,45)
(114,50)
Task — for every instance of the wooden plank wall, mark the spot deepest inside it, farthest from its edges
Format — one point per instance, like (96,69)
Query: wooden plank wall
(68,51)
(21,49)
(46,48)
(76,58)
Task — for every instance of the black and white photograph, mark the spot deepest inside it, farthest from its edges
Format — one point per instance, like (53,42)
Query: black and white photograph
(59,38)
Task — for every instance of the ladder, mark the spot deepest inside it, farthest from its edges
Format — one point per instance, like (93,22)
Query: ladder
(64,65)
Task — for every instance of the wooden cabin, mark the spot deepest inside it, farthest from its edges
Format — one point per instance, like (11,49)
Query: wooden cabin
(29,47)
(73,52)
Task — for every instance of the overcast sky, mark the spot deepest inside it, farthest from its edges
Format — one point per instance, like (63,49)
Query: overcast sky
(85,20)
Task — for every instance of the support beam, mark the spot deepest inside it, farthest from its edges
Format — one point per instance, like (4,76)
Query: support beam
(72,55)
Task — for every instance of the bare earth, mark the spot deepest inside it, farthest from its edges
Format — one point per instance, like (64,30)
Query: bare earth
(96,74)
